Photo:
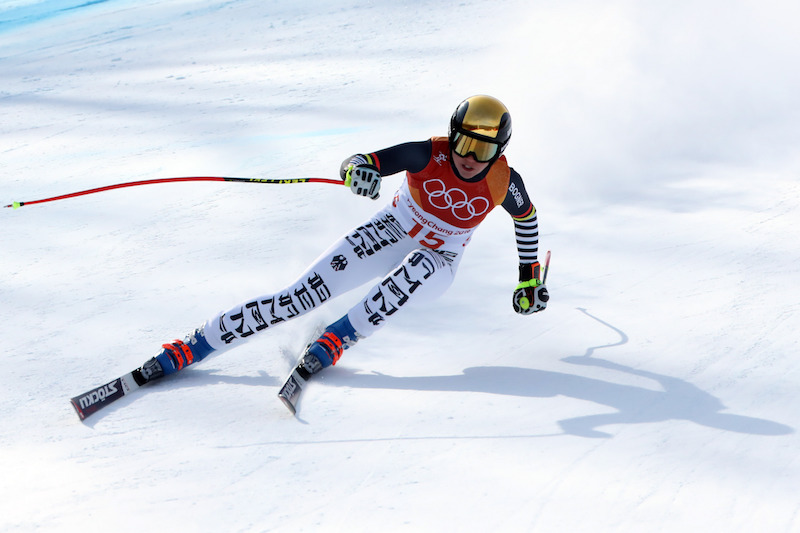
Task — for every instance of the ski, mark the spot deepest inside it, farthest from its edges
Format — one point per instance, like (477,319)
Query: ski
(92,401)
(298,378)
(292,387)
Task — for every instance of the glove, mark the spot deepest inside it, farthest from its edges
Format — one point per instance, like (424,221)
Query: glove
(530,295)
(364,180)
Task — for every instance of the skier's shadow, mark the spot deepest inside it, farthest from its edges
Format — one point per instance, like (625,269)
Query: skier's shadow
(676,399)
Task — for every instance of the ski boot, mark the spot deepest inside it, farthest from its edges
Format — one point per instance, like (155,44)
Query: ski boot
(174,356)
(320,354)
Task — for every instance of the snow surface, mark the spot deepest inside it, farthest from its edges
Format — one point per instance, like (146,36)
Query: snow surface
(658,392)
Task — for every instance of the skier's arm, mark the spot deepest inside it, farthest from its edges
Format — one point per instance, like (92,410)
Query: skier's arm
(526,225)
(412,156)
(530,295)
(362,172)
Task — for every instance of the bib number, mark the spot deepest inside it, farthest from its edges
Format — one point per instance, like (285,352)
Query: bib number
(431,239)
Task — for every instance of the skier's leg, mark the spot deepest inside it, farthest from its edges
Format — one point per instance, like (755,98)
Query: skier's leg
(358,257)
(422,276)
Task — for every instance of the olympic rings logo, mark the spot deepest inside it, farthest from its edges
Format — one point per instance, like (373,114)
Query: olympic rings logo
(462,207)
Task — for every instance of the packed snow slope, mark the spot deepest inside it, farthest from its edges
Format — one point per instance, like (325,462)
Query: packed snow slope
(658,392)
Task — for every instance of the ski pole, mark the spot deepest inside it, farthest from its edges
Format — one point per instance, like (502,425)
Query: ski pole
(17,205)
(546,267)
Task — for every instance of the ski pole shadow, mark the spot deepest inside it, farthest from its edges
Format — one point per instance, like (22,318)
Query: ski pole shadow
(195,377)
(190,378)
(676,400)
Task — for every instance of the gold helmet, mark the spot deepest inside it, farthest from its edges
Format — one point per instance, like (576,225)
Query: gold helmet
(480,125)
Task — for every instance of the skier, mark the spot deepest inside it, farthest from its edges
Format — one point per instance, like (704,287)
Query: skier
(415,243)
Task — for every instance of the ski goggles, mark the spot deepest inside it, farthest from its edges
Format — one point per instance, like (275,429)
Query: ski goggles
(464,145)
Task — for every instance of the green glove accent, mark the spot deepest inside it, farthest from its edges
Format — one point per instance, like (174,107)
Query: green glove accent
(524,302)
(348,179)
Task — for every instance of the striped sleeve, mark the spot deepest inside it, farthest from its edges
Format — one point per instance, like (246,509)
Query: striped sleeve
(526,224)
(527,233)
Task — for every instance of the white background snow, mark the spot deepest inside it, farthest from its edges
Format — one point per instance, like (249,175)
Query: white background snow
(658,392)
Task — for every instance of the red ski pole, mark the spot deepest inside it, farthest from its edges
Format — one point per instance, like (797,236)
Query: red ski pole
(17,205)
(546,267)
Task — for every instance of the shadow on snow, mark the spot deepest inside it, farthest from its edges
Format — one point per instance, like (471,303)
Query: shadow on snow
(677,399)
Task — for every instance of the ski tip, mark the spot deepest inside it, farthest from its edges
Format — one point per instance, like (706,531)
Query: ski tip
(78,409)
(290,392)
(288,404)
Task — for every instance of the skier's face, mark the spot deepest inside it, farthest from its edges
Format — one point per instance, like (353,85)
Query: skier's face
(468,167)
